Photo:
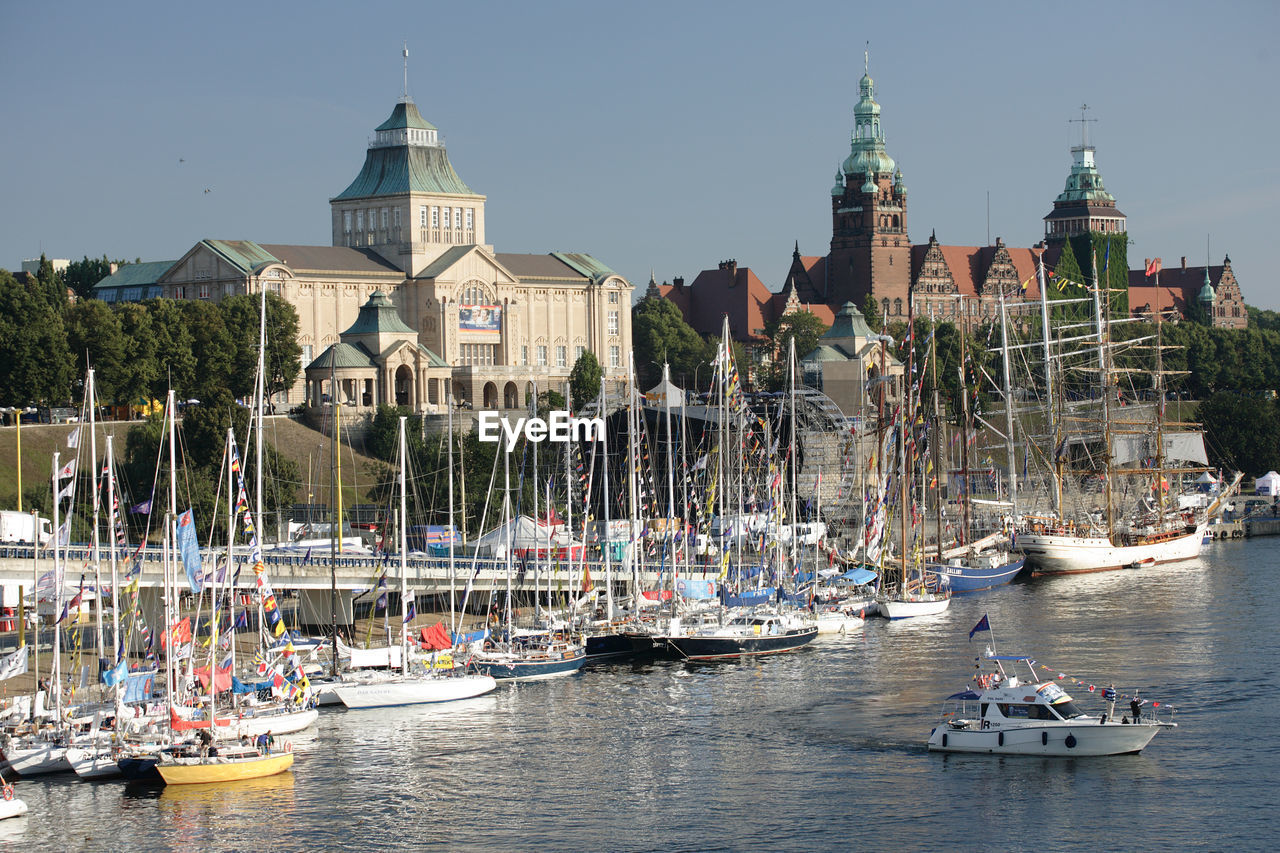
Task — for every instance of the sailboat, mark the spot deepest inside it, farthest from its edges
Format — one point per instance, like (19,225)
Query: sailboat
(989,561)
(410,688)
(916,593)
(1125,445)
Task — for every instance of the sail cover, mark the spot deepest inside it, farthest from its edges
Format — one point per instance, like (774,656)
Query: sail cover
(1185,447)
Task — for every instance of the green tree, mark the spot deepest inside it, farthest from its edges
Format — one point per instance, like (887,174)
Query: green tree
(212,345)
(139,370)
(660,334)
(1242,432)
(383,438)
(242,316)
(50,284)
(871,313)
(80,276)
(584,380)
(174,346)
(805,328)
(33,346)
(96,340)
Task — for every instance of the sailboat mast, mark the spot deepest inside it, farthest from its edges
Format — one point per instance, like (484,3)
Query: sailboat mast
(1104,369)
(937,426)
(1010,451)
(333,517)
(260,402)
(91,397)
(1159,415)
(453,622)
(55,671)
(1048,381)
(171,530)
(404,556)
(671,478)
(608,518)
(964,437)
(791,452)
(112,521)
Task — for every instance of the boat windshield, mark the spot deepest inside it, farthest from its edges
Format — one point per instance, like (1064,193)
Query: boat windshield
(1018,711)
(1068,710)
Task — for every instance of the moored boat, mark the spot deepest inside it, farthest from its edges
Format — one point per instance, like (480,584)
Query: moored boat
(229,764)
(10,805)
(745,635)
(413,690)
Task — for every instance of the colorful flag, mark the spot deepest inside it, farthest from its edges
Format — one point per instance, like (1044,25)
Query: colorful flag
(190,549)
(143,508)
(983,625)
(68,470)
(1153,267)
(412,611)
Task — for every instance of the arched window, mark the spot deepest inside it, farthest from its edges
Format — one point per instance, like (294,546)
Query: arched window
(895,220)
(885,306)
(897,306)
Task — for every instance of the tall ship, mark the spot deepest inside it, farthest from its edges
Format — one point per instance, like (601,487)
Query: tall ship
(1117,456)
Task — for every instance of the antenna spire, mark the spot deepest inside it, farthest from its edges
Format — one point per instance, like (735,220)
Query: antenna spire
(1084,126)
(866,59)
(405,93)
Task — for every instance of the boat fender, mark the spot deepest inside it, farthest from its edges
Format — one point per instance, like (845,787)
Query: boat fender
(8,792)
(1000,739)
(1070,741)
(1044,738)
(944,743)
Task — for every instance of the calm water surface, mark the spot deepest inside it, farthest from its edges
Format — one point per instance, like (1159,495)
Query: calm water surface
(818,750)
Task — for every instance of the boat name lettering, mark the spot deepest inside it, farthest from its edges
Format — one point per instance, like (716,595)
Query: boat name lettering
(559,427)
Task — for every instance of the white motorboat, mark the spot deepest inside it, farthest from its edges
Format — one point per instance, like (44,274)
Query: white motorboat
(413,690)
(1004,714)
(95,761)
(837,620)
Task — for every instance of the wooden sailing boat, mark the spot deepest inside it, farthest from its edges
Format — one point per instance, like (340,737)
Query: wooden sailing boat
(1105,538)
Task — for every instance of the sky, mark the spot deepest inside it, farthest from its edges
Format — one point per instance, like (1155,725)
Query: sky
(659,137)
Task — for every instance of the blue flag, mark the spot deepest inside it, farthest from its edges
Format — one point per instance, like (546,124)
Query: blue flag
(412,611)
(116,674)
(190,549)
(983,625)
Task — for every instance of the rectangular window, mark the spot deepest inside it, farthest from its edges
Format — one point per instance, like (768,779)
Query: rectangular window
(471,219)
(613,297)
(306,354)
(578,351)
(562,356)
(204,291)
(524,355)
(435,217)
(179,292)
(384,219)
(346,221)
(457,217)
(542,355)
(422,216)
(445,223)
(615,357)
(359,220)
(395,218)
(613,322)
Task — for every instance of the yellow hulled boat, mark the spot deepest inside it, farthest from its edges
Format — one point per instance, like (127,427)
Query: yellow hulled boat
(231,764)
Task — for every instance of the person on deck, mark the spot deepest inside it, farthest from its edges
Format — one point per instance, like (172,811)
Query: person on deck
(1135,708)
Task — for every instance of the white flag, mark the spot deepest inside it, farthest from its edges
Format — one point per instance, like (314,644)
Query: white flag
(64,532)
(14,664)
(68,470)
(73,440)
(67,491)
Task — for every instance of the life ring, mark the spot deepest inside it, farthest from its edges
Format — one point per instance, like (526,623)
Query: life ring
(8,792)
(1070,741)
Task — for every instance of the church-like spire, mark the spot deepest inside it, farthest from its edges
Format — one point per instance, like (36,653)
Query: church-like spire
(867,153)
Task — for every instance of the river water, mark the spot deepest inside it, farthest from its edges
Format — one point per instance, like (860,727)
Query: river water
(818,750)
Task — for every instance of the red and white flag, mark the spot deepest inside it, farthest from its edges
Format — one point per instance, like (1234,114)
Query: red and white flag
(1153,267)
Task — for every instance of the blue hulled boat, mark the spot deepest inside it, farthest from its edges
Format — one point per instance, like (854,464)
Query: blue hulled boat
(973,573)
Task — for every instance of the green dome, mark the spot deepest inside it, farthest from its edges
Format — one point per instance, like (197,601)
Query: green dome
(1206,292)
(838,189)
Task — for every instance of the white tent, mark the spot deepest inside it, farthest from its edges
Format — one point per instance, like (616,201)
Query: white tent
(1268,484)
(1207,483)
(522,533)
(657,396)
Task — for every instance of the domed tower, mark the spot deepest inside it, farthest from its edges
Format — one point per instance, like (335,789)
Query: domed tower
(407,203)
(1084,205)
(870,249)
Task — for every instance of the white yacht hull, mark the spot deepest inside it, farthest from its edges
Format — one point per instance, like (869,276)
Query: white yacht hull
(1055,554)
(837,624)
(905,608)
(98,762)
(276,724)
(1083,738)
(414,691)
(37,759)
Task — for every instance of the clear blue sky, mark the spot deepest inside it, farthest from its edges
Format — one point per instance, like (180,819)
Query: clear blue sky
(659,135)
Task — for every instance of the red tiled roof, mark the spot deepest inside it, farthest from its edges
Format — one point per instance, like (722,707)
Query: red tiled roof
(969,266)
(737,292)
